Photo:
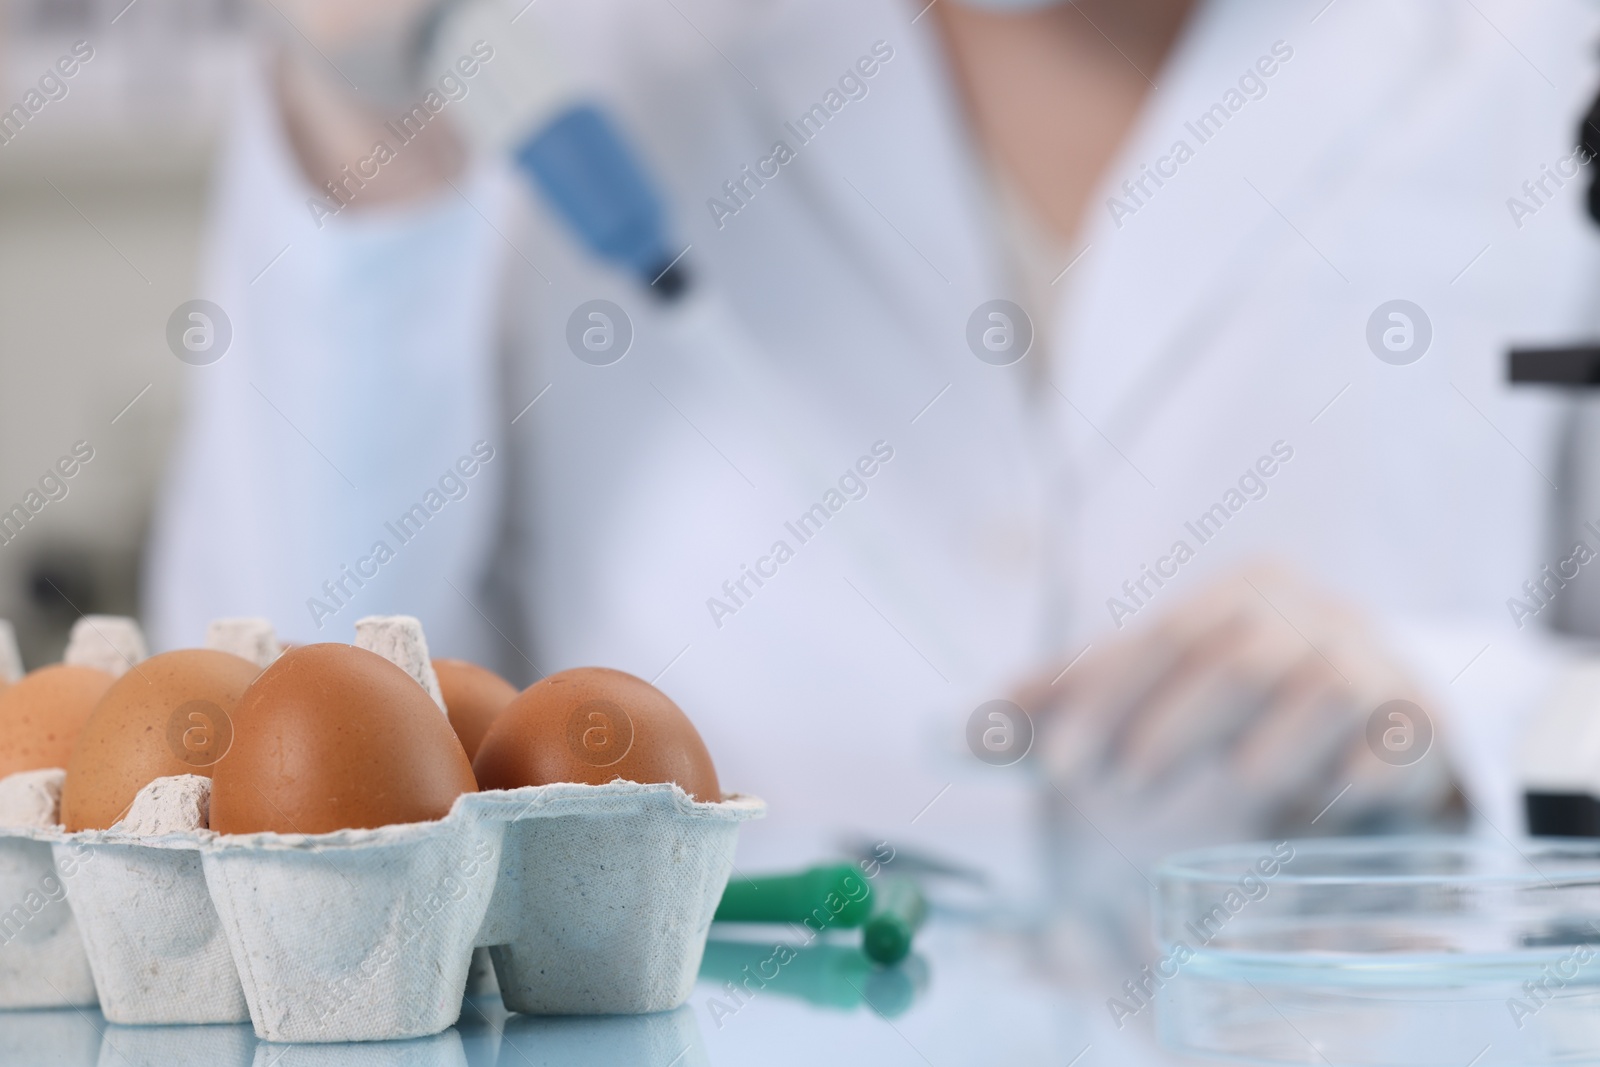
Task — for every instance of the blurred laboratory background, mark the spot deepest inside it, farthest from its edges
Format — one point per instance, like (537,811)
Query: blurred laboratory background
(101,215)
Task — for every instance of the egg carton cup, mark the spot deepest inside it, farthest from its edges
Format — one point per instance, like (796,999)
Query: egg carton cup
(141,926)
(605,894)
(151,934)
(43,963)
(592,899)
(42,959)
(154,940)
(356,935)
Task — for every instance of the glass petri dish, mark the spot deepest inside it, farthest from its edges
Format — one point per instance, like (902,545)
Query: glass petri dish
(1380,951)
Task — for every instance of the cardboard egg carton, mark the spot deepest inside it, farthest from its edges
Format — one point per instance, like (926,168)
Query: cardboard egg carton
(143,925)
(43,963)
(590,899)
(619,882)
(42,959)
(154,940)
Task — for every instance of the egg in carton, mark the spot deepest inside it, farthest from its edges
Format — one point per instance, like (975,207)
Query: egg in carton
(153,938)
(348,889)
(42,958)
(163,929)
(592,898)
(612,868)
(168,939)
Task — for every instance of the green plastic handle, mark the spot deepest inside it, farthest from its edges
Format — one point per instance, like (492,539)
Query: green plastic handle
(898,908)
(823,897)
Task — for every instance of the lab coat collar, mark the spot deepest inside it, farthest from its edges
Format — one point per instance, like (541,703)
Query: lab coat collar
(1191,249)
(895,175)
(900,182)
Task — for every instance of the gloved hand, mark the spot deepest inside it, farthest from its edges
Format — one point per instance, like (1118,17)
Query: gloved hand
(343,68)
(1267,677)
(374,46)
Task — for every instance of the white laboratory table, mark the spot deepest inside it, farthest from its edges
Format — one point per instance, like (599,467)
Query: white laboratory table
(968,997)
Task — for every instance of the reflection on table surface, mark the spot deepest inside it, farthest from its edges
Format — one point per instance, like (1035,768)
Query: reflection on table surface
(966,997)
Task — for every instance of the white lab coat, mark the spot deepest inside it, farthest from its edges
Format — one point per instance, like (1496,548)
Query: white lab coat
(1225,314)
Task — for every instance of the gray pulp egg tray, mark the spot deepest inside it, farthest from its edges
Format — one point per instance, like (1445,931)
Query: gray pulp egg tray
(590,899)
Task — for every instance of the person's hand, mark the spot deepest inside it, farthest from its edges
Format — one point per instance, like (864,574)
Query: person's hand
(344,72)
(1264,675)
(332,25)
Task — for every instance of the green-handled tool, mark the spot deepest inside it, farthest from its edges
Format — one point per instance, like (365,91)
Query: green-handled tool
(898,908)
(836,895)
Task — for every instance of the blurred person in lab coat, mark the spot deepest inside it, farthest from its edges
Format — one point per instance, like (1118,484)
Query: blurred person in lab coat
(1226,506)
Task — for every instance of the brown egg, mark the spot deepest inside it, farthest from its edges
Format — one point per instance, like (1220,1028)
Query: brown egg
(474,696)
(169,715)
(41,716)
(595,725)
(333,737)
